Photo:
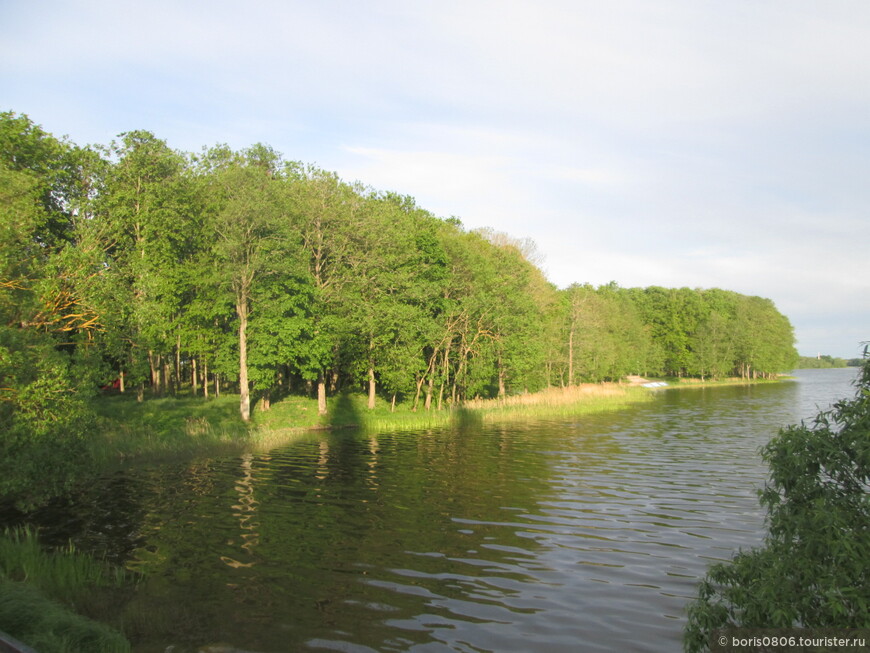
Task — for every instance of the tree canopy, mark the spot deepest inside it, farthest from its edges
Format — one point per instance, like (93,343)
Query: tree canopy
(160,271)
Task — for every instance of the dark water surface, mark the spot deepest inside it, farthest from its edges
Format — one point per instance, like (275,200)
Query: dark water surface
(586,535)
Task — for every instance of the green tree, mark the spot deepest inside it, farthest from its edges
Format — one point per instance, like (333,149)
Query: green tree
(713,347)
(606,338)
(764,338)
(25,147)
(43,411)
(326,212)
(144,224)
(390,292)
(250,220)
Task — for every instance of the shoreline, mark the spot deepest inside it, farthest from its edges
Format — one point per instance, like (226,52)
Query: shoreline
(172,427)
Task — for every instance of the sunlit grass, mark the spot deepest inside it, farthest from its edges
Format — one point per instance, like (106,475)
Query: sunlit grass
(165,427)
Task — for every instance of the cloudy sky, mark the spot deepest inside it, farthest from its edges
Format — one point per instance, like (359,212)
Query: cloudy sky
(649,142)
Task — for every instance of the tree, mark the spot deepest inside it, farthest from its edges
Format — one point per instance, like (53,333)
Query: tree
(325,212)
(713,347)
(389,294)
(25,147)
(812,570)
(764,338)
(145,225)
(250,220)
(43,411)
(606,338)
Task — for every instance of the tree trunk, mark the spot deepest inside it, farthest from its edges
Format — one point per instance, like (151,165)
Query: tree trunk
(121,381)
(460,374)
(393,403)
(154,366)
(244,391)
(372,388)
(430,372)
(571,356)
(429,387)
(444,377)
(430,368)
(177,363)
(502,394)
(321,394)
(417,394)
(205,378)
(193,376)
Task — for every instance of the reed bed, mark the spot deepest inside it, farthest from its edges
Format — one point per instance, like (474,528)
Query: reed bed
(571,395)
(553,402)
(61,573)
(560,402)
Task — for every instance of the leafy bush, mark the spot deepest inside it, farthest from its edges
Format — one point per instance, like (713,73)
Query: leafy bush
(813,569)
(44,420)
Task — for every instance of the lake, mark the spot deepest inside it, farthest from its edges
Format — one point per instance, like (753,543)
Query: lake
(560,535)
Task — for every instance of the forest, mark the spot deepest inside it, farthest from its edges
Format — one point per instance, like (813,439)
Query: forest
(824,361)
(137,269)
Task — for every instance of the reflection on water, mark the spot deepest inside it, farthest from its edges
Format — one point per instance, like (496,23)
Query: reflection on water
(549,536)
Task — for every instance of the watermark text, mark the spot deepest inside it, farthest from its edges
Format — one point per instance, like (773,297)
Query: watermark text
(790,640)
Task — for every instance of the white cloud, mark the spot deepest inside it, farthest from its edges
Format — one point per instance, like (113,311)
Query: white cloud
(455,178)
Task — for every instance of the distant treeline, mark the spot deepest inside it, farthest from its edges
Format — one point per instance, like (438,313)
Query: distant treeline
(824,361)
(154,271)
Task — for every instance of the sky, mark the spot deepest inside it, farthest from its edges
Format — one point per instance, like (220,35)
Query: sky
(675,143)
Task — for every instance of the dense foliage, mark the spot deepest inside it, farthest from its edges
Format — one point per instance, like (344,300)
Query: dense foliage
(155,271)
(814,567)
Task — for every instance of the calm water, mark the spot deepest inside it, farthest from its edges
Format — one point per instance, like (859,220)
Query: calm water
(585,535)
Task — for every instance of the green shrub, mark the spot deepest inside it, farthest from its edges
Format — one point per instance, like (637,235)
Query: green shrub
(44,421)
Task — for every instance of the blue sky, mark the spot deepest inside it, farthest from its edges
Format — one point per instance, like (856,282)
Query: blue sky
(675,143)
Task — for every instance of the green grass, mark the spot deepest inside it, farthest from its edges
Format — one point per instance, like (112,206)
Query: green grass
(163,427)
(172,426)
(49,598)
(166,426)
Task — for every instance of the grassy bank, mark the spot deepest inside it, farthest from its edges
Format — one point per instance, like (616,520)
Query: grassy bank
(734,380)
(169,426)
(49,599)
(184,425)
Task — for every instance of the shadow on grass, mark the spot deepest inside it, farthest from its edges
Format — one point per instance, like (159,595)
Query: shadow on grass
(168,414)
(462,418)
(344,414)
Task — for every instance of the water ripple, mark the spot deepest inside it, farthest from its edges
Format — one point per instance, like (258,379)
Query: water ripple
(554,536)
